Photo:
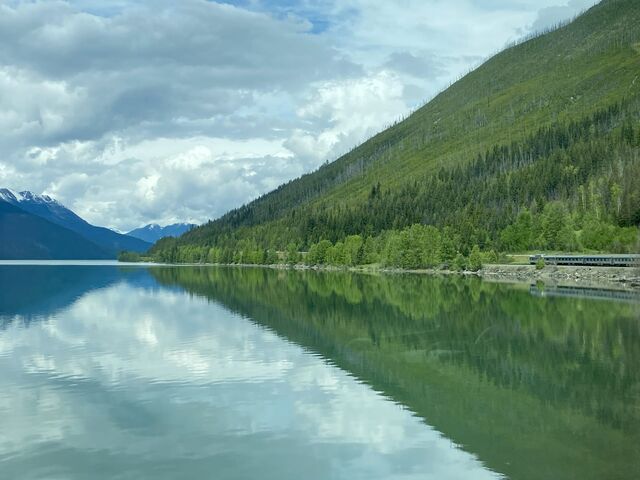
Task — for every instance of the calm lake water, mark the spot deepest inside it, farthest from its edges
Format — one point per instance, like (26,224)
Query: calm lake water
(202,372)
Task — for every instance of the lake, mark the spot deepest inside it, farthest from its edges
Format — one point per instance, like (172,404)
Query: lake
(136,372)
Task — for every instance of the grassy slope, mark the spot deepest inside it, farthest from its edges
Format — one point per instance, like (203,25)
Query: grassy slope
(562,75)
(565,74)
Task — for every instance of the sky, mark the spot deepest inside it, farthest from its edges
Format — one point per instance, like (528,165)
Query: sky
(154,111)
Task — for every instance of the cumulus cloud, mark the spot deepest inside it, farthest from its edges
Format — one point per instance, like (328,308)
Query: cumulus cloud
(135,111)
(161,66)
(553,15)
(339,115)
(165,179)
(418,65)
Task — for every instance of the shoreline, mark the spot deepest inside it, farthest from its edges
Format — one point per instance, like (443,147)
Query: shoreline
(614,278)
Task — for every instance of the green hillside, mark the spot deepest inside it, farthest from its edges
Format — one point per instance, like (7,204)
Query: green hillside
(539,148)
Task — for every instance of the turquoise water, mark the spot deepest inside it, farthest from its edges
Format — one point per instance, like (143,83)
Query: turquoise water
(161,372)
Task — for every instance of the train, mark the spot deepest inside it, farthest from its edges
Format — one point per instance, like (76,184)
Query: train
(588,260)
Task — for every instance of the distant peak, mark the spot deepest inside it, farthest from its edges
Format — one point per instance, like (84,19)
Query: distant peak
(156,226)
(25,196)
(9,195)
(153,232)
(33,197)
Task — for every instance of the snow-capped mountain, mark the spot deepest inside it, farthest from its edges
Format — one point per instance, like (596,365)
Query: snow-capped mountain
(53,211)
(154,232)
(14,197)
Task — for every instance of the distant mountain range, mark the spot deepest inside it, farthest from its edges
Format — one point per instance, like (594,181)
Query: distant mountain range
(38,227)
(154,232)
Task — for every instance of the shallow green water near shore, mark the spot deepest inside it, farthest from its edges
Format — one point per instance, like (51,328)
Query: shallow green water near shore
(205,372)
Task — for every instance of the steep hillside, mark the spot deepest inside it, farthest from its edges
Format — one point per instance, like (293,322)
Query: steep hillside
(27,236)
(548,128)
(53,211)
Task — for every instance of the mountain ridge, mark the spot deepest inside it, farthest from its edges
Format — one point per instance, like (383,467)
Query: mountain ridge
(26,236)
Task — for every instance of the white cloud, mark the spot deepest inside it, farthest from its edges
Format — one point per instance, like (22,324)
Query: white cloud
(163,180)
(553,15)
(339,115)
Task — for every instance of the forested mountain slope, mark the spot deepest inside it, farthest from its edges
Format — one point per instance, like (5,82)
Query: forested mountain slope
(51,210)
(24,235)
(537,148)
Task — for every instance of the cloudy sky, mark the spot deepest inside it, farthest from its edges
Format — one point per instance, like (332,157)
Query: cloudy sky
(139,111)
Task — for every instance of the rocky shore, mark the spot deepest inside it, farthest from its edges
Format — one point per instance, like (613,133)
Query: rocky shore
(619,278)
(603,277)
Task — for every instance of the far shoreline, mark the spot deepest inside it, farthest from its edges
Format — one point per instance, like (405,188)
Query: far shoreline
(615,278)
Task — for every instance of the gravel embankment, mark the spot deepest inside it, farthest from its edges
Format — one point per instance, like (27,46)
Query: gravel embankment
(613,277)
(600,277)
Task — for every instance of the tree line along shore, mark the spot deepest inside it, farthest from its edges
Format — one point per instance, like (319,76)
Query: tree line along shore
(416,248)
